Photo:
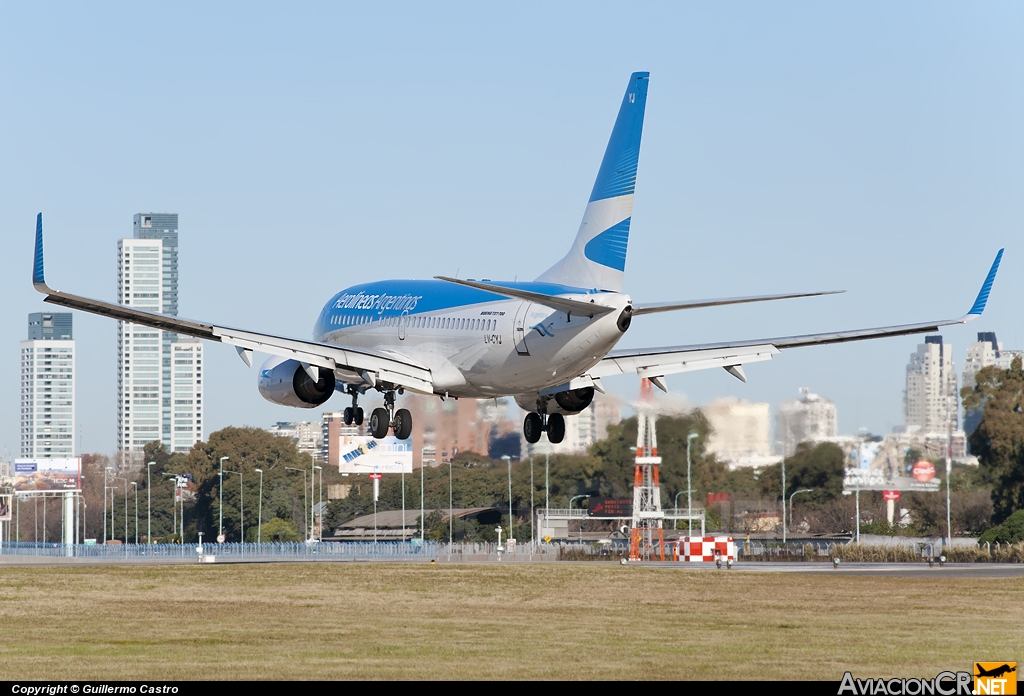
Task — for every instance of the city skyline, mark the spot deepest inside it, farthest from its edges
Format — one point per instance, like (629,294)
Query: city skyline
(892,172)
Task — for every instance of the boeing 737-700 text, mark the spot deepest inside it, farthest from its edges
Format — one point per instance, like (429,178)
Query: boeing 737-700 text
(548,342)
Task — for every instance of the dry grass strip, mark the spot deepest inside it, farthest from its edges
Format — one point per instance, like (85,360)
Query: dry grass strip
(568,621)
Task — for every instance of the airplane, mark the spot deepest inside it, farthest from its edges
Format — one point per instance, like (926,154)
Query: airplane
(547,343)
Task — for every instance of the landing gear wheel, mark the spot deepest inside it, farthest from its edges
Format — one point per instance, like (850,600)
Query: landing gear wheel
(556,428)
(533,426)
(379,423)
(403,424)
(347,416)
(359,416)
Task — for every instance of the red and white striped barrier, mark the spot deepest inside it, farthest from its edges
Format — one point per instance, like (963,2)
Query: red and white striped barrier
(702,549)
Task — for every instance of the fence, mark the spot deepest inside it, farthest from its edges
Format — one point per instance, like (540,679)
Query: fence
(290,551)
(270,551)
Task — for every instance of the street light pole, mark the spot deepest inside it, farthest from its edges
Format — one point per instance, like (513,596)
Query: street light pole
(508,460)
(305,492)
(220,512)
(136,486)
(547,487)
(802,490)
(576,497)
(149,506)
(105,476)
(312,495)
(114,488)
(783,499)
(533,517)
(949,466)
(320,501)
(174,504)
(259,516)
(689,489)
(450,511)
(241,505)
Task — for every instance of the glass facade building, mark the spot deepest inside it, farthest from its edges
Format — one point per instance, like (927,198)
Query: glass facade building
(48,387)
(148,279)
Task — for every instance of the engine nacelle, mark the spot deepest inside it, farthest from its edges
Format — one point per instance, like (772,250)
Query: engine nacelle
(283,381)
(574,400)
(567,402)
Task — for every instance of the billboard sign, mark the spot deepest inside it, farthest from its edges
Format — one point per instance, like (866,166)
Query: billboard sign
(879,480)
(44,475)
(610,507)
(362,454)
(5,507)
(891,495)
(923,471)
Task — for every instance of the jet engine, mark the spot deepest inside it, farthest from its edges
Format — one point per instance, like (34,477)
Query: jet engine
(567,402)
(283,381)
(574,400)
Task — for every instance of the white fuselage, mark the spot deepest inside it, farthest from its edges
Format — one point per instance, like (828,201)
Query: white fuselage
(479,349)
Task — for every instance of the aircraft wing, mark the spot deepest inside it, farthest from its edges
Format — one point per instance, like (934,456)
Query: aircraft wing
(354,365)
(655,363)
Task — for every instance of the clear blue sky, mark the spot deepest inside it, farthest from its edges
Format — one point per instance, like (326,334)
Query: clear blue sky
(875,148)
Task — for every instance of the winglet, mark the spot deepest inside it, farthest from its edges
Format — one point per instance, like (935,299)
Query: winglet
(37,268)
(986,288)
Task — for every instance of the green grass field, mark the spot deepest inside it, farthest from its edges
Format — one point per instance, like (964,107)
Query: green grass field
(568,621)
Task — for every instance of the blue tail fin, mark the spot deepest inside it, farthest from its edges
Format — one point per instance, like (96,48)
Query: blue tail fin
(598,256)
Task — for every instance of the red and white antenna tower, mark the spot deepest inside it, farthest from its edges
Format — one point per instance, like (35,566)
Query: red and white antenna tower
(647,513)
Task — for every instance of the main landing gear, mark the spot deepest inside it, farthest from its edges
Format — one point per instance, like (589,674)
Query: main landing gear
(382,419)
(353,415)
(537,423)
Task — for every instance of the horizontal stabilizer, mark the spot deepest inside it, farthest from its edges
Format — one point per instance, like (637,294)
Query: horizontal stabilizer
(562,304)
(651,308)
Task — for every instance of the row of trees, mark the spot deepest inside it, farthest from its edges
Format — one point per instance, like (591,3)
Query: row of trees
(285,495)
(607,470)
(981,497)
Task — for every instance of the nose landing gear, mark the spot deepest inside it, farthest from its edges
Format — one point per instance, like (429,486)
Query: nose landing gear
(536,423)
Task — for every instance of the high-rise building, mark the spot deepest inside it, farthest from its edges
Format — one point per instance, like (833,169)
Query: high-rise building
(740,430)
(48,387)
(986,351)
(930,401)
(187,397)
(163,227)
(308,436)
(159,381)
(808,418)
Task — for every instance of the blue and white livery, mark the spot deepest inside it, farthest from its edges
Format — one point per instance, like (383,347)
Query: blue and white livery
(548,342)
